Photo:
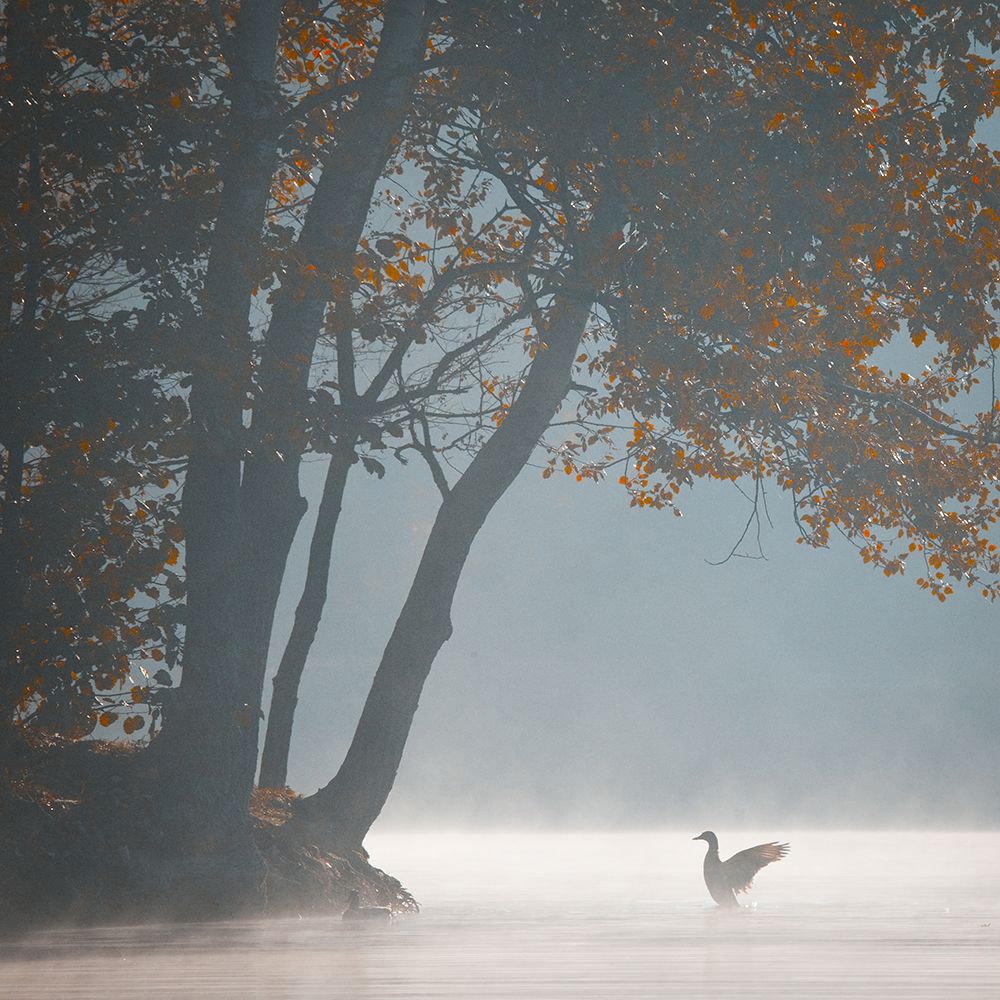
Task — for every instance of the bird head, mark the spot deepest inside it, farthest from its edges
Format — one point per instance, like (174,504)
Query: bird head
(709,838)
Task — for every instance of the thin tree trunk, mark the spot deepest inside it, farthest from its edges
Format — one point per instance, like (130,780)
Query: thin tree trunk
(342,812)
(274,760)
(11,585)
(271,504)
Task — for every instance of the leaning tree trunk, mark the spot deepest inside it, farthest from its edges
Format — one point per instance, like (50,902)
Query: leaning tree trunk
(270,501)
(342,812)
(274,760)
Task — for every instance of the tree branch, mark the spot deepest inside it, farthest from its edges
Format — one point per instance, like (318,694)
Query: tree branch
(915,411)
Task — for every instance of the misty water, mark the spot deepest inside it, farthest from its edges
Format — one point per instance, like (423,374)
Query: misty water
(609,915)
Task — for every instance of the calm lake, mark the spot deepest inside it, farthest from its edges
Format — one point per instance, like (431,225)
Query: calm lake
(615,916)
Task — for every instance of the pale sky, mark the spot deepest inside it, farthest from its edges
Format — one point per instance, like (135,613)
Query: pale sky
(602,672)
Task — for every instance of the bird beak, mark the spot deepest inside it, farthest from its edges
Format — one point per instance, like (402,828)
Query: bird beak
(696,838)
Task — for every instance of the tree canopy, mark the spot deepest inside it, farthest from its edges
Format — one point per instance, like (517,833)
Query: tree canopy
(811,195)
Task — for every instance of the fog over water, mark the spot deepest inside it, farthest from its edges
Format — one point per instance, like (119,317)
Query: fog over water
(602,673)
(585,916)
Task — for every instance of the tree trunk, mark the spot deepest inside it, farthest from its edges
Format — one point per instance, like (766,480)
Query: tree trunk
(17,339)
(342,812)
(270,501)
(274,760)
(239,528)
(203,740)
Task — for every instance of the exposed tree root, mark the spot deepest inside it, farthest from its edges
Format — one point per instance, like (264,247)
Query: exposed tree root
(81,843)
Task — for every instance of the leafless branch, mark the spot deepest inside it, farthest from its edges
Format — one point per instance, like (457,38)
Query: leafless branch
(753,519)
(424,447)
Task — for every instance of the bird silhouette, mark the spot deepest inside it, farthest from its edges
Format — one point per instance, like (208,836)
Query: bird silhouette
(726,878)
(369,914)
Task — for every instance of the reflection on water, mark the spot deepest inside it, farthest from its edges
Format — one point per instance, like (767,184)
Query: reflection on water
(536,916)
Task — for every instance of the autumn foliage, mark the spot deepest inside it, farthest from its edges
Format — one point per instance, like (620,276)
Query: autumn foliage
(812,212)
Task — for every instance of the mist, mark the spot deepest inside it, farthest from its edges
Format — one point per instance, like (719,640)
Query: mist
(453,452)
(586,915)
(604,673)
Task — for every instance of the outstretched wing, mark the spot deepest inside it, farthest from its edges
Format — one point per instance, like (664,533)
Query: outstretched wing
(741,868)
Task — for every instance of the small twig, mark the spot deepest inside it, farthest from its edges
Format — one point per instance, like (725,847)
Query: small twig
(753,518)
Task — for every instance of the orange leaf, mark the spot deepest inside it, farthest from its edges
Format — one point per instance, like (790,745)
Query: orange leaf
(707,312)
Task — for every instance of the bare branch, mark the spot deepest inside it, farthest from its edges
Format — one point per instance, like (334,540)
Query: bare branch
(752,519)
(425,448)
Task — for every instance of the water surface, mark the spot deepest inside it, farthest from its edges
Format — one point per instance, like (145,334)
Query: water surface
(611,916)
